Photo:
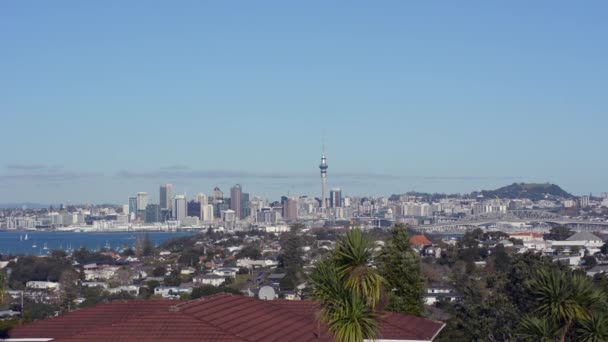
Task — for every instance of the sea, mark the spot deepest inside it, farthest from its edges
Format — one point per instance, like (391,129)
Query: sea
(41,243)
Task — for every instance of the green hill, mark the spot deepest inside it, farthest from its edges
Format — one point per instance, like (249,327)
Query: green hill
(531,191)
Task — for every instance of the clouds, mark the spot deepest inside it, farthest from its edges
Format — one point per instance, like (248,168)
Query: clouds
(28,167)
(42,173)
(184,172)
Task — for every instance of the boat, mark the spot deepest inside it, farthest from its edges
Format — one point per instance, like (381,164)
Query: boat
(34,245)
(25,238)
(45,247)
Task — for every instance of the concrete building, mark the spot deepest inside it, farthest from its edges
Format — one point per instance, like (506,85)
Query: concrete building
(179,207)
(207,213)
(290,209)
(142,200)
(202,200)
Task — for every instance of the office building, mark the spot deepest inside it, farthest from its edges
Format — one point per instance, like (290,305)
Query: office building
(166,196)
(153,213)
(207,213)
(179,207)
(245,209)
(194,208)
(203,201)
(290,209)
(142,201)
(235,200)
(132,205)
(335,198)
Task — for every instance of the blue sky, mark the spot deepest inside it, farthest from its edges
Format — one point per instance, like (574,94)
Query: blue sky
(99,100)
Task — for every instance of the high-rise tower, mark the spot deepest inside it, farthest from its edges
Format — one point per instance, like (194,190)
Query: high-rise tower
(166,197)
(323,167)
(235,200)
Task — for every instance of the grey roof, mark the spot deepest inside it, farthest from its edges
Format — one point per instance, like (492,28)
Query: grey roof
(583,236)
(599,269)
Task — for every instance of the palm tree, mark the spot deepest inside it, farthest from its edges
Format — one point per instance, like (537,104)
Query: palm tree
(353,257)
(348,289)
(562,299)
(594,328)
(538,329)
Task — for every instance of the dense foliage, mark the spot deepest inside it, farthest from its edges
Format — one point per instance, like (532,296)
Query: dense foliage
(399,264)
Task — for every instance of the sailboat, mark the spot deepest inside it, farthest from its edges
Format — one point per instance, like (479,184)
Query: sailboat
(25,238)
(34,245)
(45,247)
(21,237)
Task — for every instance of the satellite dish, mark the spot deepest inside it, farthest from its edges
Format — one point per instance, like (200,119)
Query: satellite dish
(267,293)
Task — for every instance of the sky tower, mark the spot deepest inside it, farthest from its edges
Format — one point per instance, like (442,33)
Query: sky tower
(323,168)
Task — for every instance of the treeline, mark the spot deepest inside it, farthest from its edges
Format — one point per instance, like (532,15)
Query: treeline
(526,297)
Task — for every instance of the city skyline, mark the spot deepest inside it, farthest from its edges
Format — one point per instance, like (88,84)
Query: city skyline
(451,98)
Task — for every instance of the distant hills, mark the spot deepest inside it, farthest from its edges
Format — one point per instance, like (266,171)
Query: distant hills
(532,191)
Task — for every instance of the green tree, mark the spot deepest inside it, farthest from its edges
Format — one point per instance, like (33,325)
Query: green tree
(291,256)
(251,252)
(159,271)
(502,261)
(348,288)
(593,328)
(68,286)
(173,279)
(559,233)
(400,266)
(564,299)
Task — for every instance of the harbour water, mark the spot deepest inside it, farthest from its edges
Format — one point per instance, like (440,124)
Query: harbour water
(40,243)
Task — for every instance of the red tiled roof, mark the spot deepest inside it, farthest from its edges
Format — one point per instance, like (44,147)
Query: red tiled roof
(78,321)
(419,240)
(221,317)
(392,325)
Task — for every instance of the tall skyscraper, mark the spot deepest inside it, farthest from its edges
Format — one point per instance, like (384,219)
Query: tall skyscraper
(335,198)
(207,213)
(166,196)
(235,200)
(202,199)
(245,209)
(142,200)
(323,166)
(132,205)
(179,207)
(291,209)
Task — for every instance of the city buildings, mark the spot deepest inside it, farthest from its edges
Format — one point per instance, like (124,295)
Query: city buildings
(179,207)
(166,197)
(335,198)
(235,200)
